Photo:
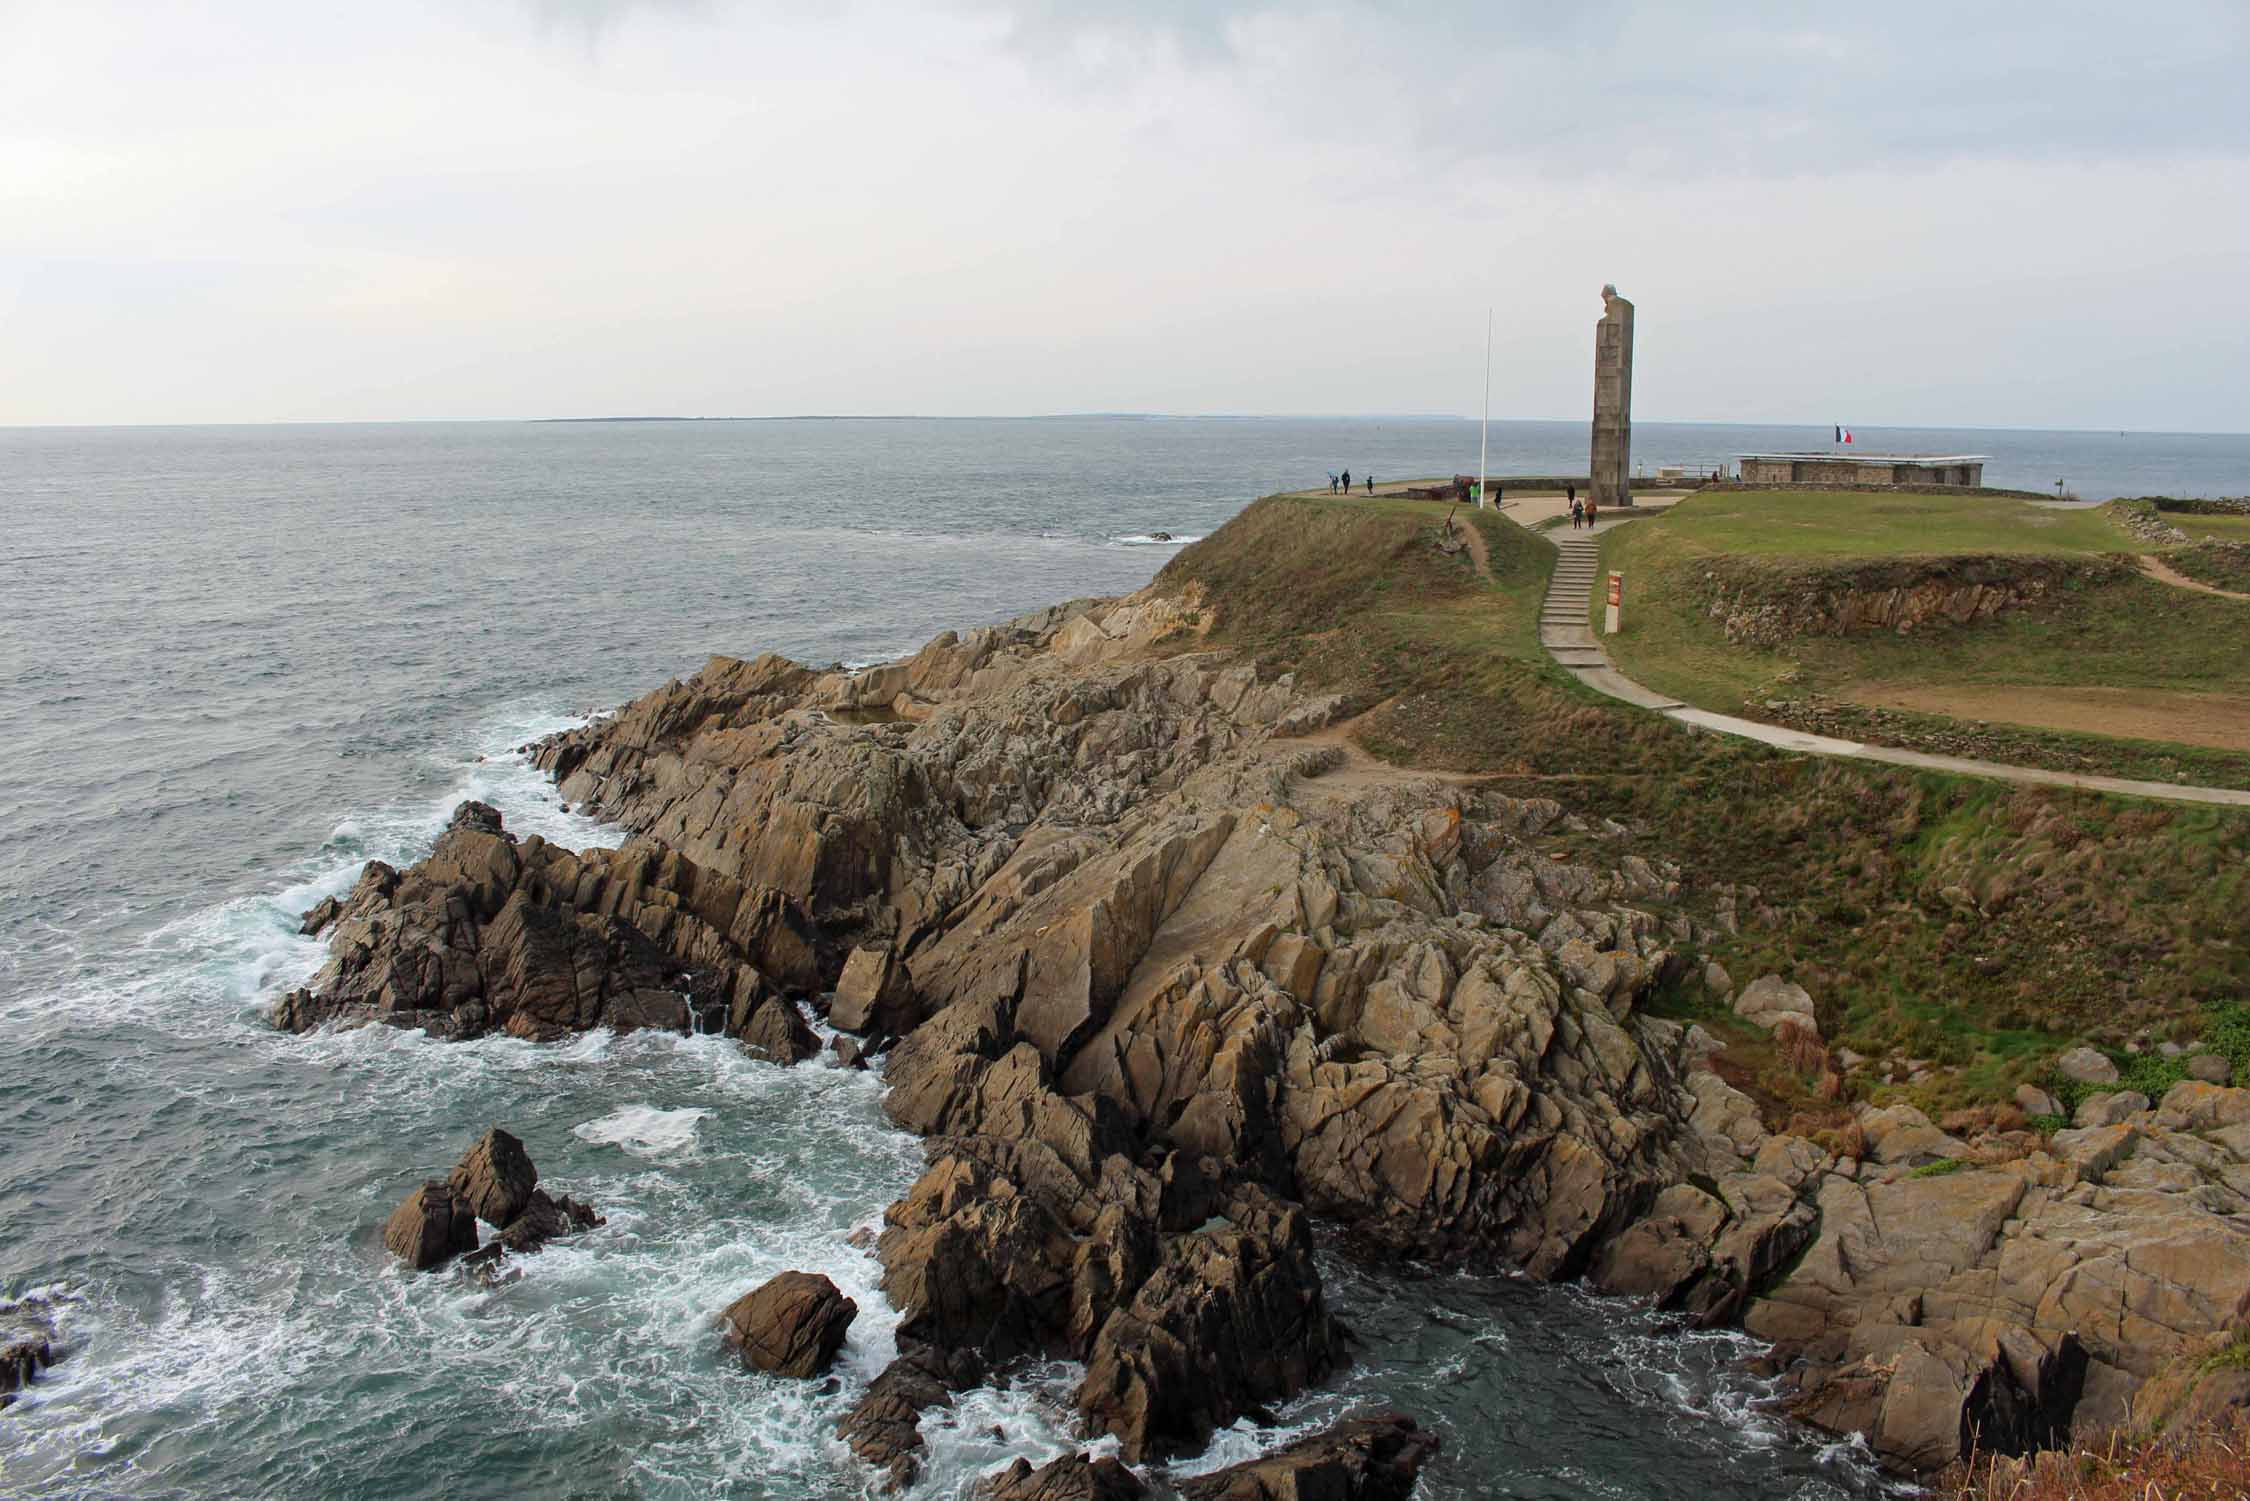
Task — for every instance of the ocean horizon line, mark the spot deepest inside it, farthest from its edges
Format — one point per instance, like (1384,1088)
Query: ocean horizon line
(623,419)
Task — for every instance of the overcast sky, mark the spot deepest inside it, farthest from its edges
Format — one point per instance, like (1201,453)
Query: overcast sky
(1958,214)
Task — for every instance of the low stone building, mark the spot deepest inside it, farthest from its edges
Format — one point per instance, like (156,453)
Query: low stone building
(1960,469)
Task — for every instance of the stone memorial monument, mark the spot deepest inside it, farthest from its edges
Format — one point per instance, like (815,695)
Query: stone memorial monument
(1613,402)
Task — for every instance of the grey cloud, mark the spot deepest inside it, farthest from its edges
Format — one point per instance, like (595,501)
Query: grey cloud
(1684,89)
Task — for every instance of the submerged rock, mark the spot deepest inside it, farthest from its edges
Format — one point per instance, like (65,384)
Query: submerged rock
(790,1326)
(544,1218)
(21,1361)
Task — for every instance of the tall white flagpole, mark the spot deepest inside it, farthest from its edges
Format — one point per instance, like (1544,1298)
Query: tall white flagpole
(1484,423)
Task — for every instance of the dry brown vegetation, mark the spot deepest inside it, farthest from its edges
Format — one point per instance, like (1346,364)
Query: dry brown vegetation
(2209,1462)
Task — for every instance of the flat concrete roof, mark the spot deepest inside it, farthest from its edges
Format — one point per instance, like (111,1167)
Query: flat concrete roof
(1877,458)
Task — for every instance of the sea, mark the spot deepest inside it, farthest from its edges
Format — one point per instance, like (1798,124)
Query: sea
(238,662)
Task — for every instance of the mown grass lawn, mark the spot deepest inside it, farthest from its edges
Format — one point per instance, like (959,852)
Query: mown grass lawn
(2218,528)
(1809,525)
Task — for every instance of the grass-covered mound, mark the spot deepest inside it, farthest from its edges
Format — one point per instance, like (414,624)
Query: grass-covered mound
(1444,663)
(1899,618)
(1983,926)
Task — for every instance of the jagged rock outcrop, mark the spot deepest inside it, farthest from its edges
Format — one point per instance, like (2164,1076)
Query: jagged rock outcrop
(2021,1299)
(874,995)
(884,1428)
(1371,1458)
(546,1217)
(792,1325)
(1164,980)
(489,934)
(496,1182)
(1073,1477)
(496,1177)
(1037,1229)
(1230,1317)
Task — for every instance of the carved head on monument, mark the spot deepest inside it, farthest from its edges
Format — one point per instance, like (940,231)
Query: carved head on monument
(1609,294)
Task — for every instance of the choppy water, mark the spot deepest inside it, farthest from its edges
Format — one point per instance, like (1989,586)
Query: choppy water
(237,663)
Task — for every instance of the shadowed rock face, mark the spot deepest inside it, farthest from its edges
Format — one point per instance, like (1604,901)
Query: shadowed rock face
(431,1227)
(21,1361)
(1164,982)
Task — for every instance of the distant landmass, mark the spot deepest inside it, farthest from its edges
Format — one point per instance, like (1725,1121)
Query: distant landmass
(1043,417)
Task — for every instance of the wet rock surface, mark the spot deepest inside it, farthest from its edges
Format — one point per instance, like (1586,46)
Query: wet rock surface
(884,1428)
(792,1325)
(1074,1477)
(494,1181)
(21,1361)
(431,1227)
(1372,1458)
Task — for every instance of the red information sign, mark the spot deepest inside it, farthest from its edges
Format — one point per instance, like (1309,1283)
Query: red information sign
(1616,589)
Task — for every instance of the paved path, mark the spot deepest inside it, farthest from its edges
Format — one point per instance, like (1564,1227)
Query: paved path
(1565,631)
(2164,573)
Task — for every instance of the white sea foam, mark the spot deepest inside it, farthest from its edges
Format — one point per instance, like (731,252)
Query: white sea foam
(646,1130)
(1144,539)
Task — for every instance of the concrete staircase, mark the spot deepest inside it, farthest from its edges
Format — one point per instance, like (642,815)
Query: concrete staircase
(1562,618)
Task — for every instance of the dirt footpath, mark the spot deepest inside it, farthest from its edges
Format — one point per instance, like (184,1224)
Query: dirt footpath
(2218,720)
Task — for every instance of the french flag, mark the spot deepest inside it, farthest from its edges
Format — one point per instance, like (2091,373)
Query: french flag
(1843,435)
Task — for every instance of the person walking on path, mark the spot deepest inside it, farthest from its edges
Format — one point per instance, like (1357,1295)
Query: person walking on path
(1371,484)
(1591,508)
(1577,514)
(1347,482)
(1573,494)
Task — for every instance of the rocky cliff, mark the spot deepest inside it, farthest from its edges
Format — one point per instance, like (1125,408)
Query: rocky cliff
(1172,974)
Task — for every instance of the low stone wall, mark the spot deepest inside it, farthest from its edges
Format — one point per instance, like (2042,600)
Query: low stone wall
(1794,487)
(2141,519)
(2225,505)
(1544,484)
(1758,605)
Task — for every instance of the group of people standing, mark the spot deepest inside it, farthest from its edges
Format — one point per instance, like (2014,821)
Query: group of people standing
(1341,484)
(1580,514)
